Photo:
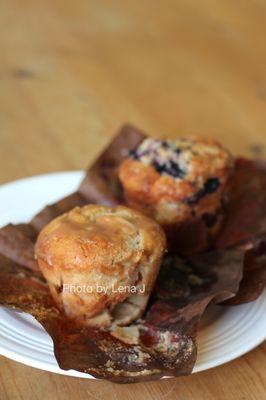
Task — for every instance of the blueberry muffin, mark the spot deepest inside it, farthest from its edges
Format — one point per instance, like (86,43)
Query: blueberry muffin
(101,262)
(182,184)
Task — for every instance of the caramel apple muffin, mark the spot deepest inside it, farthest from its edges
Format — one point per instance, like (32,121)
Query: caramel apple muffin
(101,262)
(182,184)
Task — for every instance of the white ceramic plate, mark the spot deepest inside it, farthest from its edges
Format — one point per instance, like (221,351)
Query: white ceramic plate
(225,334)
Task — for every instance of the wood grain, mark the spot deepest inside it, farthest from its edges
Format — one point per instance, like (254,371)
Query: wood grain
(72,72)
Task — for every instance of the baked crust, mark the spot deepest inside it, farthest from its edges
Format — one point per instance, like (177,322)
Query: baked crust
(177,182)
(96,246)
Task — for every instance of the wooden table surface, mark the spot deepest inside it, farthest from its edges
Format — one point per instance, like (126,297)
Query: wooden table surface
(72,72)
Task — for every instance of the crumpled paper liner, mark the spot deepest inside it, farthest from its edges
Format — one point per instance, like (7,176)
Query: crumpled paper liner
(163,342)
(245,226)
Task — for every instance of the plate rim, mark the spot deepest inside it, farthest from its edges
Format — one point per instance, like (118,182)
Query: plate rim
(78,175)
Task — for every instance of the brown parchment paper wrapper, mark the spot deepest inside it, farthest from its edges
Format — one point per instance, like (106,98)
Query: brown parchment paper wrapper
(245,226)
(163,342)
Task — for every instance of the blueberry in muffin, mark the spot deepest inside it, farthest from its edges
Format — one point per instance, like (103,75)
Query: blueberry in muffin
(180,183)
